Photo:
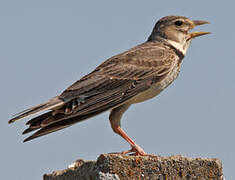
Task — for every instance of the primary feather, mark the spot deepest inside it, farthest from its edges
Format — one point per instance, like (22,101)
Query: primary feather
(53,103)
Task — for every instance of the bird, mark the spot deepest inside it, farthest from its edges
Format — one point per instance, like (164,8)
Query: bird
(128,78)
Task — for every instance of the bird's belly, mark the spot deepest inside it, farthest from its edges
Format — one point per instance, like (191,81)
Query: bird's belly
(148,94)
(156,88)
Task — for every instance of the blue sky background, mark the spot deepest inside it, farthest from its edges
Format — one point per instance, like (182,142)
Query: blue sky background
(47,45)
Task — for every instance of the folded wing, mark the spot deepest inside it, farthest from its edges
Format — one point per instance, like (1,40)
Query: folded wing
(111,84)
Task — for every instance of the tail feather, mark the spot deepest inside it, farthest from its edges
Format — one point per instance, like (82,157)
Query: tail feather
(58,125)
(35,123)
(42,121)
(39,118)
(30,129)
(52,104)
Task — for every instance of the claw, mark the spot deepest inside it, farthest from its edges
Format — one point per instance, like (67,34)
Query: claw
(137,151)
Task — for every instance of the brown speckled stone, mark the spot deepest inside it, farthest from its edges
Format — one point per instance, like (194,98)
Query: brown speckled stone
(120,167)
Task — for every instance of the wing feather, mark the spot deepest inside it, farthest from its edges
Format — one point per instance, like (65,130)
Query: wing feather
(111,84)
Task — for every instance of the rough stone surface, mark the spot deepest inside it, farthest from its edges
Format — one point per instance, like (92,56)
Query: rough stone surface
(122,167)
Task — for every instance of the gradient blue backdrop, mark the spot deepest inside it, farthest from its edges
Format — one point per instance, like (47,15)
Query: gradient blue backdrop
(47,45)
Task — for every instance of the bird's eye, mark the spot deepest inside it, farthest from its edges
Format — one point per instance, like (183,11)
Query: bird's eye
(178,23)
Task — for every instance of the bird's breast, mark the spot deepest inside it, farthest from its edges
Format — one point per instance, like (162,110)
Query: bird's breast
(157,87)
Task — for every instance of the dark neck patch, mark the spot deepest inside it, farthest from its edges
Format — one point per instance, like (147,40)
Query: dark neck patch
(177,51)
(162,40)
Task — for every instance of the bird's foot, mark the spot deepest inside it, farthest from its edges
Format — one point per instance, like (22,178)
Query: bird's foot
(135,150)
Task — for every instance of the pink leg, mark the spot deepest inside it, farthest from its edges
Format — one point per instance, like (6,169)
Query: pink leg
(135,147)
(115,117)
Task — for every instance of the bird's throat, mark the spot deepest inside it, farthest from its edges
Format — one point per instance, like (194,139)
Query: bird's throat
(182,47)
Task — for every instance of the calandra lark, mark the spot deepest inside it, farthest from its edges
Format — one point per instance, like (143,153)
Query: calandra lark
(125,79)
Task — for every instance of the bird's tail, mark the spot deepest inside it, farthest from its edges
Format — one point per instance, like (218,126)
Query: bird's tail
(52,104)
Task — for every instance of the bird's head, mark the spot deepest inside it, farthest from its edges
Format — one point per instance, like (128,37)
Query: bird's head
(175,31)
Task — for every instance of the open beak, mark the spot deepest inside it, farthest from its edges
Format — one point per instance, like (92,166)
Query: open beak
(198,23)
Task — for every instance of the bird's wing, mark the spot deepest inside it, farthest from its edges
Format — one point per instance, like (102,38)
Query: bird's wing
(111,84)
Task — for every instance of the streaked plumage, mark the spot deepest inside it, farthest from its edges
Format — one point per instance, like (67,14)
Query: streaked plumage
(130,77)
